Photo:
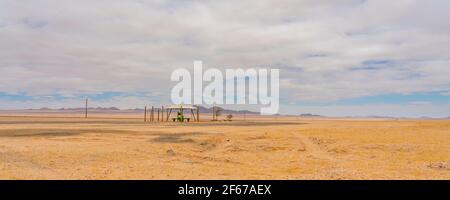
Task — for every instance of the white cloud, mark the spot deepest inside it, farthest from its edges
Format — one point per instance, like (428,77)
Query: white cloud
(79,47)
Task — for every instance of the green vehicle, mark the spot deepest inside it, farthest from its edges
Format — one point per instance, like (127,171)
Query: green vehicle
(181,118)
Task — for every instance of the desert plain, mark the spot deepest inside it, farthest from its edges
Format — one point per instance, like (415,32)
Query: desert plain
(123,146)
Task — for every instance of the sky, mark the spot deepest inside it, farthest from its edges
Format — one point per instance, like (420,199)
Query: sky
(336,58)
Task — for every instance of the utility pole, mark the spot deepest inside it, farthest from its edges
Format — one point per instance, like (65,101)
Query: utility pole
(86,109)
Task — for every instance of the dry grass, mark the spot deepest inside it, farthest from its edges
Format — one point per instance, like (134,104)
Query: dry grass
(124,147)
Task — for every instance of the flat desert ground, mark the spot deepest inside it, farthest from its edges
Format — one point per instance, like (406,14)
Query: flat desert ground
(123,146)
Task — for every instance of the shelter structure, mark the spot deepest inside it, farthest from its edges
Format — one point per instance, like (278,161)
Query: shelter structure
(180,109)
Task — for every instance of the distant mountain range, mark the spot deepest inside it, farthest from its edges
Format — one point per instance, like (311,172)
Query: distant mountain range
(206,110)
(380,117)
(78,109)
(114,109)
(228,111)
(310,115)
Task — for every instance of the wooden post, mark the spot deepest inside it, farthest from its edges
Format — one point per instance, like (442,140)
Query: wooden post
(182,115)
(145,114)
(158,115)
(193,115)
(86,109)
(162,113)
(153,112)
(198,113)
(168,113)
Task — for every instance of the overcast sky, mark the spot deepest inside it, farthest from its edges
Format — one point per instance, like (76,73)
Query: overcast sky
(337,58)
